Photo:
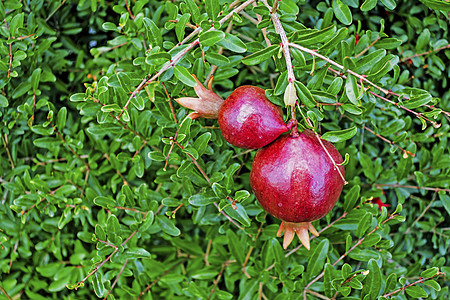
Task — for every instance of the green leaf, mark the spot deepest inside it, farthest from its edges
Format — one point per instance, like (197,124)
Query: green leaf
(202,142)
(47,142)
(211,38)
(351,198)
(305,95)
(390,4)
(423,40)
(260,56)
(437,4)
(352,90)
(340,135)
(391,282)
(167,226)
(201,200)
(180,28)
(388,43)
(61,118)
(3,101)
(336,39)
(105,128)
(365,63)
(136,252)
(212,9)
(429,272)
(217,59)
(35,77)
(232,43)
(184,76)
(372,283)
(433,284)
(97,284)
(236,247)
(154,33)
(112,227)
(369,5)
(418,100)
(310,37)
(363,224)
(353,109)
(239,214)
(78,97)
(317,259)
(342,12)
(416,292)
(445,200)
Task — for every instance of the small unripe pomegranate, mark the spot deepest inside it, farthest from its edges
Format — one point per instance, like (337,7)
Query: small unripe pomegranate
(295,180)
(247,119)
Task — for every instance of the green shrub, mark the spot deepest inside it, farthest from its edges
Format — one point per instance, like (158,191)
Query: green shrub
(108,190)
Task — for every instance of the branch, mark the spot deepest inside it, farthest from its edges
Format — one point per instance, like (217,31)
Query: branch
(424,53)
(412,187)
(411,284)
(117,279)
(5,293)
(359,242)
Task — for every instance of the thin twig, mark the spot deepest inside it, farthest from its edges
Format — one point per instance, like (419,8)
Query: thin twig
(56,9)
(5,143)
(117,279)
(129,10)
(359,242)
(377,185)
(368,47)
(411,284)
(330,157)
(422,214)
(424,53)
(5,293)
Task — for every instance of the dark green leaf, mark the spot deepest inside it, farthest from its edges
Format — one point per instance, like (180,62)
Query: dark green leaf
(340,135)
(261,55)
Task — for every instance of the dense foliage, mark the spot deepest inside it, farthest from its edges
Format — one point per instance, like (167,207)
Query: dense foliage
(107,189)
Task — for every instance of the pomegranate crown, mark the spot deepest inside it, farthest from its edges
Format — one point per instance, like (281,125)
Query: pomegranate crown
(207,104)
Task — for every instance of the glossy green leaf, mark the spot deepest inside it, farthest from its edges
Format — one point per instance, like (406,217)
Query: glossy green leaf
(261,55)
(342,12)
(340,135)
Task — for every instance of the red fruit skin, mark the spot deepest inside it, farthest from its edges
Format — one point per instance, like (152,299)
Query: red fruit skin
(294,179)
(247,119)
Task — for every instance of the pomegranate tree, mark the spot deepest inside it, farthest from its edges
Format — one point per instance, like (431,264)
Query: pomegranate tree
(295,179)
(247,119)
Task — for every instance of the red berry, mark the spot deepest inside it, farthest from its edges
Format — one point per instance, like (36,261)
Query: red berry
(295,180)
(248,119)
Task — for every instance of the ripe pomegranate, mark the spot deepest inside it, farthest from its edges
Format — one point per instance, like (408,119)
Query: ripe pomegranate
(247,119)
(295,180)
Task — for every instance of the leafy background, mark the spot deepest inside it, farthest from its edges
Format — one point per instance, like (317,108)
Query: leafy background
(108,191)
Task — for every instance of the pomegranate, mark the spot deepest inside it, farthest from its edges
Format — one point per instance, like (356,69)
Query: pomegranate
(247,119)
(295,180)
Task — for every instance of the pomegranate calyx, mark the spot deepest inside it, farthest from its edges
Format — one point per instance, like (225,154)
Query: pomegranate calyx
(301,229)
(207,104)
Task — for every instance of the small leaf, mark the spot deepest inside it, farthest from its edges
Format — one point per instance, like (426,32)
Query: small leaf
(184,76)
(340,135)
(317,259)
(416,291)
(167,226)
(342,12)
(211,38)
(351,197)
(233,43)
(305,95)
(260,56)
(369,5)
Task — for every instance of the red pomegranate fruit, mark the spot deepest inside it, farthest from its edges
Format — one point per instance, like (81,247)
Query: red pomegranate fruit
(295,180)
(247,119)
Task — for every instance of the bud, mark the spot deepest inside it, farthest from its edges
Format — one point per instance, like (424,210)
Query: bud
(290,95)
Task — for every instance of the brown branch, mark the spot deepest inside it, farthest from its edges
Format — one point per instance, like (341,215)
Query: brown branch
(112,48)
(5,293)
(216,282)
(359,242)
(129,10)
(408,230)
(5,143)
(377,185)
(117,279)
(287,56)
(424,53)
(10,59)
(150,285)
(56,9)
(411,284)
(387,92)
(368,47)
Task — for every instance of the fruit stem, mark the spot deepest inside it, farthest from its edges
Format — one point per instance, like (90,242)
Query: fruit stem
(292,124)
